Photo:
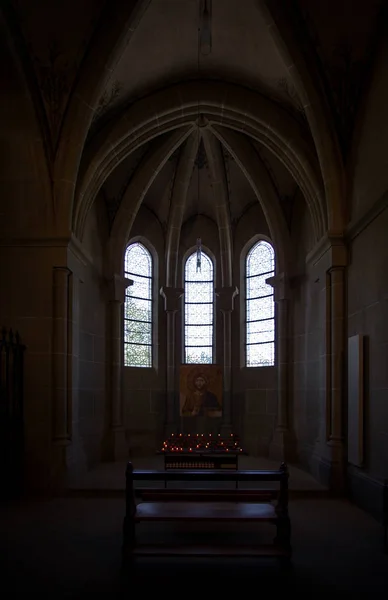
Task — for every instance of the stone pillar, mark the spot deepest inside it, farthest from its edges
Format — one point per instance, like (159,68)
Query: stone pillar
(61,412)
(116,289)
(76,458)
(172,304)
(331,258)
(337,348)
(226,296)
(282,446)
(282,366)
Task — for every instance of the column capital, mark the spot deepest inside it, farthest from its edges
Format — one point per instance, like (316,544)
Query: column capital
(226,296)
(62,269)
(330,251)
(61,275)
(171,296)
(337,269)
(280,285)
(116,287)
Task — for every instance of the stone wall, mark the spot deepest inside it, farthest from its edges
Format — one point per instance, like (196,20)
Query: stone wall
(367,315)
(91,411)
(144,390)
(254,389)
(307,343)
(367,283)
(27,273)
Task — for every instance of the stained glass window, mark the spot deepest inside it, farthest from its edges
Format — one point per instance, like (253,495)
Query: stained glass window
(260,306)
(199,306)
(138,307)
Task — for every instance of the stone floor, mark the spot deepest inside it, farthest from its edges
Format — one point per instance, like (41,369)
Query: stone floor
(70,548)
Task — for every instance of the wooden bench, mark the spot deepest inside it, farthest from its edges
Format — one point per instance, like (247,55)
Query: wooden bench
(209,505)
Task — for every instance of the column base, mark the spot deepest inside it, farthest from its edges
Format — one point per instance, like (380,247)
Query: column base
(120,448)
(283,446)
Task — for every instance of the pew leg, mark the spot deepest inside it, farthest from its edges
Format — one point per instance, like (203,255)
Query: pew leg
(283,535)
(129,542)
(285,564)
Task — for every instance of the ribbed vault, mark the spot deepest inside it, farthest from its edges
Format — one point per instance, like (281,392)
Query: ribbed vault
(221,104)
(220,146)
(220,118)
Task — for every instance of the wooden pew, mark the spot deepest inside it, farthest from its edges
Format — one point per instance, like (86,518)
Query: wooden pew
(210,505)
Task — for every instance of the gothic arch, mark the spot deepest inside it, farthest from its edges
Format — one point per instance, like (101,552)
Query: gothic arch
(118,22)
(221,198)
(177,206)
(134,195)
(280,19)
(257,175)
(24,137)
(222,104)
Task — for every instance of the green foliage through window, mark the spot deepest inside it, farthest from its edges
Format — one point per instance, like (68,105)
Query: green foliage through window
(138,307)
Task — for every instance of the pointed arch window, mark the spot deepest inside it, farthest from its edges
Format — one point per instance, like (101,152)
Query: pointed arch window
(260,306)
(138,307)
(199,310)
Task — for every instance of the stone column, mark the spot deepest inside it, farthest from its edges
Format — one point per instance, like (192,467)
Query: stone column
(61,413)
(337,347)
(172,304)
(282,446)
(116,287)
(76,458)
(226,296)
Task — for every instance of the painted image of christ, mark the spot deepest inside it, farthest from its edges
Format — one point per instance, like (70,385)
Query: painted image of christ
(200,401)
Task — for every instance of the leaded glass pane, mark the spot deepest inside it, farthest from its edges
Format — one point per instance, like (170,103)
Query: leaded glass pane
(137,333)
(199,335)
(141,287)
(260,337)
(137,356)
(260,355)
(260,308)
(138,261)
(199,314)
(204,274)
(137,326)
(257,327)
(202,355)
(199,298)
(256,286)
(138,307)
(260,259)
(199,292)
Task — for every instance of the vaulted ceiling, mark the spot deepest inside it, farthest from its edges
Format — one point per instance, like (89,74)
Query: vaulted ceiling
(337,38)
(165,49)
